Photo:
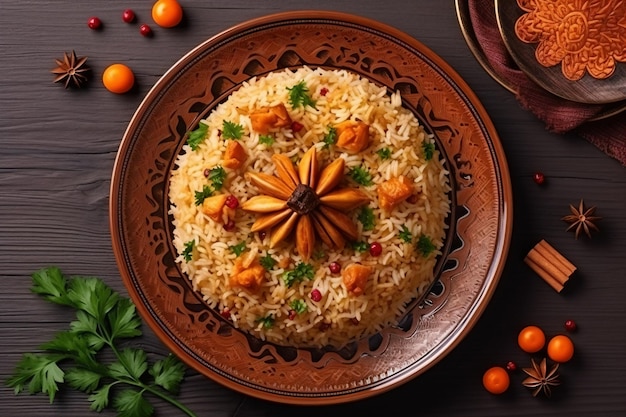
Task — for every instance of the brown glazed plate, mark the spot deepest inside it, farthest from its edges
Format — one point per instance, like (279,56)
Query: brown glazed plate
(473,256)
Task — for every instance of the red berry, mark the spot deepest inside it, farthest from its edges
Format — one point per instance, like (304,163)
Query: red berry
(128,16)
(232,202)
(225,313)
(262,234)
(316,295)
(539,178)
(570,325)
(229,226)
(145,30)
(335,267)
(376,249)
(94,23)
(292,314)
(296,127)
(324,91)
(354,321)
(511,366)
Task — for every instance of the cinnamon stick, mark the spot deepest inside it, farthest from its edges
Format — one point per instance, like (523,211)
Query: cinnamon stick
(550,265)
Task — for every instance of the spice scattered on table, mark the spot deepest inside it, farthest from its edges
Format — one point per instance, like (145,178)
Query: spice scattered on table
(550,265)
(71,70)
(540,378)
(581,219)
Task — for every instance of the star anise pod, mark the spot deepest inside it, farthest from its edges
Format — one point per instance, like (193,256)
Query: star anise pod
(305,199)
(71,70)
(581,219)
(540,378)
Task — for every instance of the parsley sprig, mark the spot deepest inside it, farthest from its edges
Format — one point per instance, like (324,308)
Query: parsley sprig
(231,130)
(361,176)
(302,271)
(196,137)
(74,356)
(299,95)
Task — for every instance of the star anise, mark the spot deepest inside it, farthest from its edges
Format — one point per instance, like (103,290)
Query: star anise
(581,219)
(71,70)
(540,378)
(307,200)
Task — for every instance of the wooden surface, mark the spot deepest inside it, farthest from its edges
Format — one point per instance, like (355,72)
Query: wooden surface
(57,153)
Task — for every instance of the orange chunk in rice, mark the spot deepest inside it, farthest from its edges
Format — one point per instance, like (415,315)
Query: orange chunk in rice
(353,136)
(267,118)
(247,277)
(393,192)
(355,278)
(234,156)
(214,206)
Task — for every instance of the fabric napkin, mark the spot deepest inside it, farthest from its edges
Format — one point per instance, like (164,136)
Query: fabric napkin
(559,115)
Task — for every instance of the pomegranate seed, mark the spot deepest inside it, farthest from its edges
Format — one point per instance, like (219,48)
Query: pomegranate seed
(324,91)
(539,178)
(296,127)
(292,314)
(232,202)
(229,226)
(334,267)
(225,313)
(128,16)
(570,325)
(94,23)
(206,172)
(316,295)
(376,249)
(145,30)
(511,366)
(262,235)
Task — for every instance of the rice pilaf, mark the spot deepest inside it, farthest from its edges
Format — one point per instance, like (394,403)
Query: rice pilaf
(318,308)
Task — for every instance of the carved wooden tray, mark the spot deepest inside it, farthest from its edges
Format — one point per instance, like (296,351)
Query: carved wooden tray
(575,50)
(475,250)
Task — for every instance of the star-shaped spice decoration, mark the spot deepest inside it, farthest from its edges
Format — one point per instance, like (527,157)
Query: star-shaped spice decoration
(581,219)
(307,200)
(71,70)
(540,378)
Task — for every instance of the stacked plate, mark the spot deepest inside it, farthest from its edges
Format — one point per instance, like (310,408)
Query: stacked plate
(573,50)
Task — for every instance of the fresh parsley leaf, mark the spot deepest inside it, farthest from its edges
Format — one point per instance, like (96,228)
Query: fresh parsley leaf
(239,248)
(405,234)
(37,373)
(266,140)
(124,321)
(267,262)
(384,153)
(360,246)
(188,250)
(51,284)
(231,130)
(299,306)
(360,176)
(217,176)
(131,403)
(197,136)
(92,296)
(366,217)
(132,363)
(330,137)
(168,373)
(268,322)
(100,398)
(299,96)
(83,379)
(302,271)
(429,150)
(199,196)
(425,245)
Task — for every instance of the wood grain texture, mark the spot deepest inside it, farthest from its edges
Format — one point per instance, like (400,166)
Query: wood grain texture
(57,149)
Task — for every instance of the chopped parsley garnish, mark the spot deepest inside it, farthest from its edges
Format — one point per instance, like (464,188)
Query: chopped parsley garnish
(425,245)
(301,272)
(330,137)
(405,234)
(267,262)
(217,176)
(238,248)
(188,251)
(231,130)
(299,306)
(268,322)
(201,195)
(319,254)
(360,175)
(384,153)
(197,136)
(299,96)
(360,246)
(366,217)
(266,140)
(429,150)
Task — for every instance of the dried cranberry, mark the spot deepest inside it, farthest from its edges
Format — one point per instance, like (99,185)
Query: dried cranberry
(94,23)
(376,249)
(570,325)
(232,202)
(511,366)
(206,172)
(334,267)
(292,314)
(262,234)
(128,16)
(539,178)
(296,127)
(225,313)
(145,30)
(323,91)
(316,295)
(229,226)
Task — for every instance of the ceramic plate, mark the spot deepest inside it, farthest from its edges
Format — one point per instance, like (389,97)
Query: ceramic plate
(475,249)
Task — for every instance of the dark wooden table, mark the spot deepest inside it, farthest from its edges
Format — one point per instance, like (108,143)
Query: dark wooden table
(57,149)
